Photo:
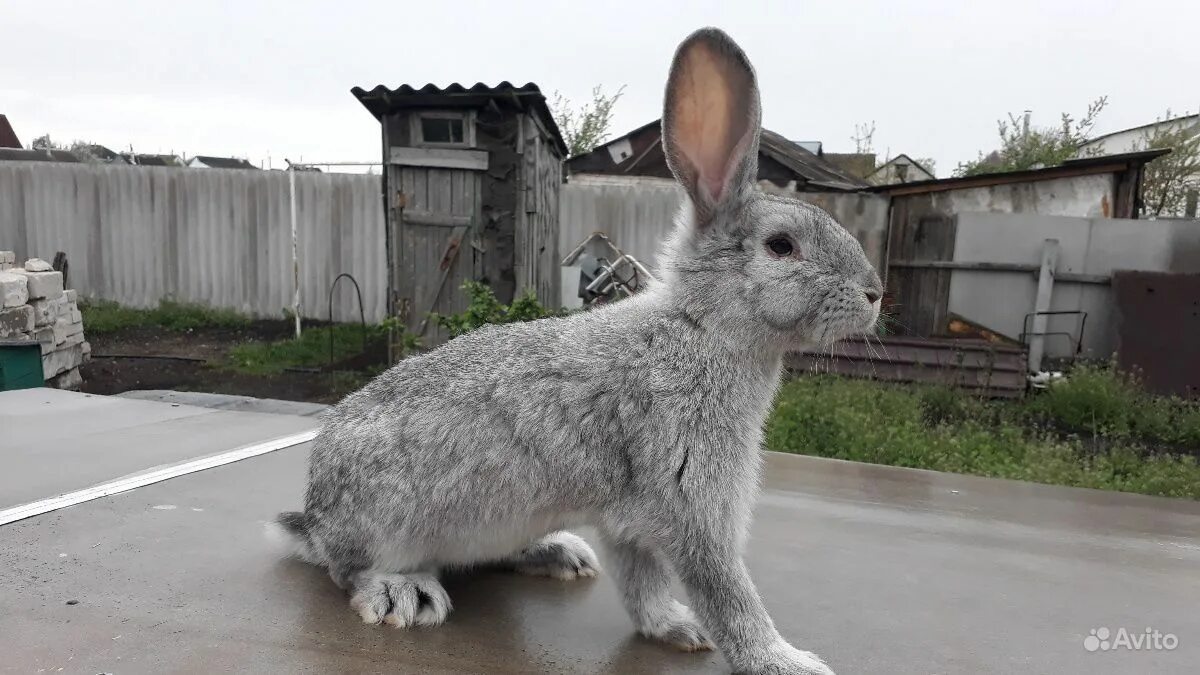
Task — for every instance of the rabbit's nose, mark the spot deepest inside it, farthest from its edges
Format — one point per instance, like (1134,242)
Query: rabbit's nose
(872,295)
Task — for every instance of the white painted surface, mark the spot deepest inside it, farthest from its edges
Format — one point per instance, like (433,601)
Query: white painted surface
(620,150)
(150,477)
(53,442)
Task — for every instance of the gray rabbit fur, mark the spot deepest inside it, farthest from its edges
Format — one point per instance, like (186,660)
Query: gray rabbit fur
(642,418)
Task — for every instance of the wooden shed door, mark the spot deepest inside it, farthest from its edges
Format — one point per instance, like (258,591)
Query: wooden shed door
(919,289)
(435,214)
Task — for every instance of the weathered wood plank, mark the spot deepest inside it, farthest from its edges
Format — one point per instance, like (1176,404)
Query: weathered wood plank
(443,158)
(1075,277)
(444,266)
(973,366)
(435,219)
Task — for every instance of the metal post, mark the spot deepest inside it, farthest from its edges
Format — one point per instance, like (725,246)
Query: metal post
(292,166)
(295,252)
(1037,339)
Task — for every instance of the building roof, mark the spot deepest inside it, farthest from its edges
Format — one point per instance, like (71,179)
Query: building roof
(805,165)
(1086,166)
(8,137)
(224,162)
(1184,118)
(895,160)
(381,100)
(858,164)
(101,153)
(154,160)
(20,155)
(814,169)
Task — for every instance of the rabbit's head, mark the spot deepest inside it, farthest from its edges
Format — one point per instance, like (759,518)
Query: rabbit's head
(764,269)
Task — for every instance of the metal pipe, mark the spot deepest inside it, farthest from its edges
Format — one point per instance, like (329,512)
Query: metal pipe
(305,164)
(640,268)
(295,252)
(600,279)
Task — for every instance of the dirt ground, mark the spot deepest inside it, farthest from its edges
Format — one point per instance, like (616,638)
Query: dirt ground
(155,358)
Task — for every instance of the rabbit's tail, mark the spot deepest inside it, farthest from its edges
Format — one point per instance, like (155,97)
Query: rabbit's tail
(291,530)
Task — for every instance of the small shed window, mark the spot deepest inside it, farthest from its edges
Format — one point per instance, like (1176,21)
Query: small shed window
(441,130)
(444,128)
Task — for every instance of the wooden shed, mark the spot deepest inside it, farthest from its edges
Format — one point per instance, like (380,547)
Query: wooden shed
(470,187)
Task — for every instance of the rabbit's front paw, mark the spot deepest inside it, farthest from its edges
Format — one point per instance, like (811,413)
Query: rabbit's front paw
(677,626)
(784,659)
(400,600)
(561,555)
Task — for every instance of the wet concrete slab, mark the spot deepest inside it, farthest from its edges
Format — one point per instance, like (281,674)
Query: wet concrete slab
(54,441)
(228,402)
(879,570)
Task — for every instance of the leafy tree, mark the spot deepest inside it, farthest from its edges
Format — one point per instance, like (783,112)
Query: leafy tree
(43,143)
(1168,179)
(1024,147)
(586,126)
(81,149)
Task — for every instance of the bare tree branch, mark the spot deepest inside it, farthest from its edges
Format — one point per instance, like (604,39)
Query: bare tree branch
(587,126)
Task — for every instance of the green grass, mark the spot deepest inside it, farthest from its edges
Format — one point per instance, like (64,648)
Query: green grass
(104,316)
(1100,401)
(1096,429)
(311,350)
(255,358)
(931,429)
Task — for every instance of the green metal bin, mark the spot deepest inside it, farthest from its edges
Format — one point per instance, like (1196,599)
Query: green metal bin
(20,365)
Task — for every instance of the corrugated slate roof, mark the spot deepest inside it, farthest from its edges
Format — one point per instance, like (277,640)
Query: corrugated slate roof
(381,100)
(19,155)
(224,162)
(155,160)
(814,169)
(1072,167)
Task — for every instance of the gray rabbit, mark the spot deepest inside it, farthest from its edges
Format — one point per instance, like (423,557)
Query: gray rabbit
(642,418)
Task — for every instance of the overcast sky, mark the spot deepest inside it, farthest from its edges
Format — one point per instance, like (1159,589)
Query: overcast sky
(272,79)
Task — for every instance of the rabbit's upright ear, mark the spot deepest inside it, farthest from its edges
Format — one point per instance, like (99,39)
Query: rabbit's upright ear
(711,121)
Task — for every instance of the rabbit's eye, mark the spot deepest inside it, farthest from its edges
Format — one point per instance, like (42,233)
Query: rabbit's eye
(780,246)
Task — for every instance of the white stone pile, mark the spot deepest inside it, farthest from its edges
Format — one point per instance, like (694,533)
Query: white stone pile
(34,307)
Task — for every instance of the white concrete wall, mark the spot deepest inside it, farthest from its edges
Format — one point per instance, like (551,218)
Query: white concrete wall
(137,235)
(1097,246)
